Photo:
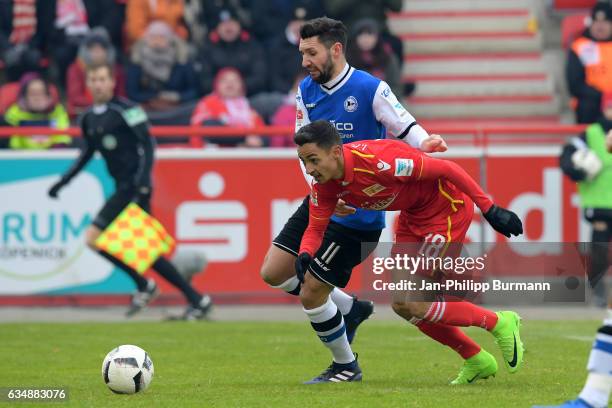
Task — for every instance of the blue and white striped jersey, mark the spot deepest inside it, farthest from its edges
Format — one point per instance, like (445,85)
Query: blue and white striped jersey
(361,107)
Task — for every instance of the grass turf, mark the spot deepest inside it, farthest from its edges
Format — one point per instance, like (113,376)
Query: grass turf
(262,364)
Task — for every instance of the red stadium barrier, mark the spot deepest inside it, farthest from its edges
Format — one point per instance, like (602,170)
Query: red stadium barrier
(475,135)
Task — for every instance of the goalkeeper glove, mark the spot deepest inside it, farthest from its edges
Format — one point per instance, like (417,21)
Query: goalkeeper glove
(504,221)
(301,265)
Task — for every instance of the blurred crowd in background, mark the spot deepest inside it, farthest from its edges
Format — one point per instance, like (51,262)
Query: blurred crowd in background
(199,62)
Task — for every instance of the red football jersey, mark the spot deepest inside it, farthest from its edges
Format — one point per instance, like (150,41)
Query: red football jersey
(390,175)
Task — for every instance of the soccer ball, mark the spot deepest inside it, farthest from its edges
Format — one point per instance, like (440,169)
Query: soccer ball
(127,369)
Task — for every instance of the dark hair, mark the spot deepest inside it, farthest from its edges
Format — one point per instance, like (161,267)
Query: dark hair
(330,31)
(95,67)
(320,132)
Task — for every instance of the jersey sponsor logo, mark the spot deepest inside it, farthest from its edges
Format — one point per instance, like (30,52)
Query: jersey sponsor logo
(379,205)
(310,105)
(373,189)
(386,92)
(403,167)
(382,166)
(350,104)
(109,142)
(340,126)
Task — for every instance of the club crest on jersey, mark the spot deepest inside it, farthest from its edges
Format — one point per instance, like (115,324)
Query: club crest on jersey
(109,142)
(403,167)
(350,104)
(373,189)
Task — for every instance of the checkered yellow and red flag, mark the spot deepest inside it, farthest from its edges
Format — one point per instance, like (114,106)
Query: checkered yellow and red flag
(135,238)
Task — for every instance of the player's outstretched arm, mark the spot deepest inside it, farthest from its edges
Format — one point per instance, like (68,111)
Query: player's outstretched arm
(434,144)
(502,220)
(401,124)
(81,161)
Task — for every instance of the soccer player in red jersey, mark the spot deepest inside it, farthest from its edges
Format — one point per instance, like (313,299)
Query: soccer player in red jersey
(436,199)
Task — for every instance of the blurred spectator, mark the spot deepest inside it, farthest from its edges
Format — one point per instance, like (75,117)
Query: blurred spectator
(351,11)
(109,14)
(69,28)
(285,114)
(95,50)
(273,16)
(20,37)
(227,105)
(589,65)
(141,13)
(211,12)
(229,46)
(52,28)
(160,75)
(368,52)
(284,52)
(36,107)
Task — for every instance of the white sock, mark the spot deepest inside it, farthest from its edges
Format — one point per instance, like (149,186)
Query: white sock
(290,286)
(597,389)
(328,323)
(342,300)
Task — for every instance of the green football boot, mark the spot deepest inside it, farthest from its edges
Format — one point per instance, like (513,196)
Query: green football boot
(478,367)
(508,338)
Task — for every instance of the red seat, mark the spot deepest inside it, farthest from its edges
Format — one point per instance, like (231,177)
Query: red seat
(571,28)
(573,4)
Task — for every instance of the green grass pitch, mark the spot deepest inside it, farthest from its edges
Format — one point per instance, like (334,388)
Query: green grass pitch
(262,364)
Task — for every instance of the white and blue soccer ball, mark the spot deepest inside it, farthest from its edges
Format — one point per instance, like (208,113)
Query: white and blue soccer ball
(127,369)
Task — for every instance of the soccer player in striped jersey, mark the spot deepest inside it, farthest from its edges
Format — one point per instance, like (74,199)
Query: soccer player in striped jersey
(361,107)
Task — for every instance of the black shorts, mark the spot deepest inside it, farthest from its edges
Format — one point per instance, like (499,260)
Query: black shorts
(340,251)
(116,203)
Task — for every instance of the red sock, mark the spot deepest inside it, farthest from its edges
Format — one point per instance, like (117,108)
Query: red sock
(461,314)
(450,336)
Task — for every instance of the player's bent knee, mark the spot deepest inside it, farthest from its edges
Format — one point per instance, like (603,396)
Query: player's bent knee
(277,267)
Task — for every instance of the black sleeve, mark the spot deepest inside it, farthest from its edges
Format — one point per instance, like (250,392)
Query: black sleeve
(142,178)
(576,78)
(87,153)
(565,160)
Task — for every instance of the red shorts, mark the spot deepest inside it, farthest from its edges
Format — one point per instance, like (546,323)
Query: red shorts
(440,236)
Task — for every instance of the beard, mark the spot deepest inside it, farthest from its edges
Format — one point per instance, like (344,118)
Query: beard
(326,71)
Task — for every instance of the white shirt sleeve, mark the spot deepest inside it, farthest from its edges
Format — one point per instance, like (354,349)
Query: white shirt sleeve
(302,119)
(301,114)
(390,112)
